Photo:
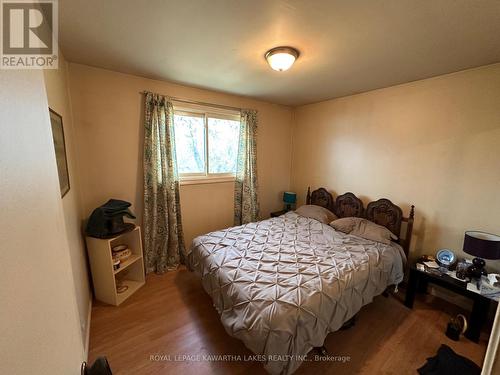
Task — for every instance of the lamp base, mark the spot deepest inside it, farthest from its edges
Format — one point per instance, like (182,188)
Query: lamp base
(477,269)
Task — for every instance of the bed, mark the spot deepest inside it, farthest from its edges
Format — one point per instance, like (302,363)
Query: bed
(282,284)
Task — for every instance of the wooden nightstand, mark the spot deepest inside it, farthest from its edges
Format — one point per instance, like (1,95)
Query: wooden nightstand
(418,282)
(279,213)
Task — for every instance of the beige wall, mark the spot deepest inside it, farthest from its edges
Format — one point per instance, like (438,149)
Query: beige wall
(56,85)
(205,208)
(40,332)
(432,143)
(108,113)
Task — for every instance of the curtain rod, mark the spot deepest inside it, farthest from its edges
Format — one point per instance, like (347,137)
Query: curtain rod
(188,101)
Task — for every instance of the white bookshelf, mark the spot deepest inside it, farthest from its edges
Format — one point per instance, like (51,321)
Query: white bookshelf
(130,273)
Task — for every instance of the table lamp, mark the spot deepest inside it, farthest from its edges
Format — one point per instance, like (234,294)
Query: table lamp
(289,198)
(481,245)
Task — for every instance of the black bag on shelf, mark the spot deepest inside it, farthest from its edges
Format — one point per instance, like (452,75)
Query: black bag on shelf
(107,220)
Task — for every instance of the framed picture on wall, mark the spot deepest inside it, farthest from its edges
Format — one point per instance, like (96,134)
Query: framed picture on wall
(60,149)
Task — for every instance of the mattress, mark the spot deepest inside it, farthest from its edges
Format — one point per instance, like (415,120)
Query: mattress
(281,285)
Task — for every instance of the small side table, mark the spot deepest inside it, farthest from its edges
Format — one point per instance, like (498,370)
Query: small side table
(418,282)
(130,273)
(279,213)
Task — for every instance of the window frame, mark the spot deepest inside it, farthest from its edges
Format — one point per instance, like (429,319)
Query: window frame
(206,112)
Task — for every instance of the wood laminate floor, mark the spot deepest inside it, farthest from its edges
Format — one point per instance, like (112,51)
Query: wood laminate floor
(172,316)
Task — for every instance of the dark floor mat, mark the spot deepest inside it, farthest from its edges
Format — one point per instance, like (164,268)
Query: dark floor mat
(447,362)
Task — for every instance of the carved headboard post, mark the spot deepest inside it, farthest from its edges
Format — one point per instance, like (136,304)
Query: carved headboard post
(308,197)
(409,230)
(320,197)
(349,205)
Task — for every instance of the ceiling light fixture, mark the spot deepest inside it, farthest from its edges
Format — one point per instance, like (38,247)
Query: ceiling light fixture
(281,58)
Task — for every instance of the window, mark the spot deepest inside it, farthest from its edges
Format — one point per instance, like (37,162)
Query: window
(206,142)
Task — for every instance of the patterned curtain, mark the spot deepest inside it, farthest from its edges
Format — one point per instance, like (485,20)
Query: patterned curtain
(246,201)
(163,237)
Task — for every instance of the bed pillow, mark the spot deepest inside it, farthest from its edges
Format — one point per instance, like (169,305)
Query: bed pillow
(364,228)
(374,232)
(319,213)
(345,224)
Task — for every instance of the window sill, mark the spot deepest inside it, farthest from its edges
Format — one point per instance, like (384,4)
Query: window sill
(205,180)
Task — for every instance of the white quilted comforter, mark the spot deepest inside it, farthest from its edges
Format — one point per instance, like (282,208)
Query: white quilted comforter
(281,285)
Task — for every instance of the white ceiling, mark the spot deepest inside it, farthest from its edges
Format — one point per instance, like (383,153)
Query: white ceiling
(346,46)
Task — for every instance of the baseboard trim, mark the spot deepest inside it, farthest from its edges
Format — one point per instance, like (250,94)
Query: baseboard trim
(87,333)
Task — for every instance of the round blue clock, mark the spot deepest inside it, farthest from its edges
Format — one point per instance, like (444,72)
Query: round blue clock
(446,257)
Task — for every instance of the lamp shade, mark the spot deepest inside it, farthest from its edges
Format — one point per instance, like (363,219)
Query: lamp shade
(482,244)
(289,197)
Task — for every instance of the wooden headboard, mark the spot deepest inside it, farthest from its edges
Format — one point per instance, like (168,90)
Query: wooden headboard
(382,212)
